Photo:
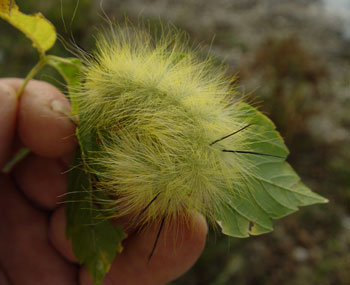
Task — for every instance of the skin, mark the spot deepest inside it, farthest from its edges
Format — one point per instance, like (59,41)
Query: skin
(33,247)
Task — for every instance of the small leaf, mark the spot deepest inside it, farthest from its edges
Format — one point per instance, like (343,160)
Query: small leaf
(36,27)
(70,70)
(270,188)
(95,240)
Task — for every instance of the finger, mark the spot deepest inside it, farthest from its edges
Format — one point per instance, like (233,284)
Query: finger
(26,253)
(42,180)
(3,278)
(8,107)
(176,251)
(57,234)
(42,126)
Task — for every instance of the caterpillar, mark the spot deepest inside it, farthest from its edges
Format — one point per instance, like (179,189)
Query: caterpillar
(170,135)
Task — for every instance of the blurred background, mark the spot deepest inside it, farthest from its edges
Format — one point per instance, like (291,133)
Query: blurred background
(292,58)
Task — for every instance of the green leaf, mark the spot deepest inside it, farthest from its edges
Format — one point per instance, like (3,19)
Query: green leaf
(232,224)
(36,27)
(95,240)
(70,70)
(270,188)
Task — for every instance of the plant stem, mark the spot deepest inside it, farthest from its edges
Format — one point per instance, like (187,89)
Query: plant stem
(31,74)
(20,155)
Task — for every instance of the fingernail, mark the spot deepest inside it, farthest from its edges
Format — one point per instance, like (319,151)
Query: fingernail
(61,108)
(58,107)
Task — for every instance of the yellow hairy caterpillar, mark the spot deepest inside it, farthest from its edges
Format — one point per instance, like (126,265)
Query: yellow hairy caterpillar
(170,135)
(157,113)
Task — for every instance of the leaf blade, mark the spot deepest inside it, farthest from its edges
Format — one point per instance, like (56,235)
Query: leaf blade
(95,241)
(35,26)
(269,187)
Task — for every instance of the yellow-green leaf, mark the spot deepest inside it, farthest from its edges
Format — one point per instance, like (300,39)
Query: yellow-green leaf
(36,27)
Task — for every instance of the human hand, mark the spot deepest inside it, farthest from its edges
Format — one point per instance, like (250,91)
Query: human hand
(33,246)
